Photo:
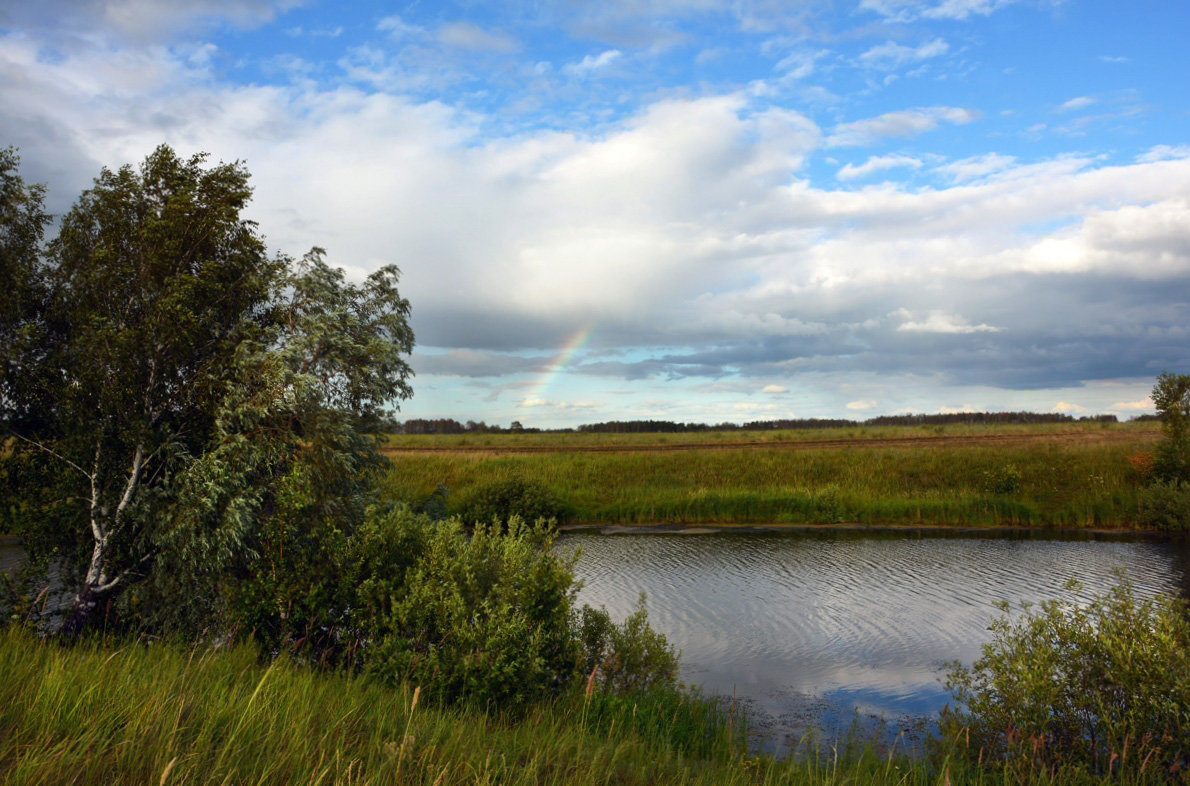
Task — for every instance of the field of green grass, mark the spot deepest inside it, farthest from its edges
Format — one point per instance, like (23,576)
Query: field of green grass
(1051,475)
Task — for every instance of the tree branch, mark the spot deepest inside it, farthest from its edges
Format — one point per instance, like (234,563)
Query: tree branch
(55,454)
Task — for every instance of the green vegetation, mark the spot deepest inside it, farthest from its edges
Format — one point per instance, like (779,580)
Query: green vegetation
(1062,695)
(1165,503)
(188,456)
(185,415)
(247,598)
(1070,691)
(1073,476)
(501,499)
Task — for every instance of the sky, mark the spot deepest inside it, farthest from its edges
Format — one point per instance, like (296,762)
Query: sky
(689,210)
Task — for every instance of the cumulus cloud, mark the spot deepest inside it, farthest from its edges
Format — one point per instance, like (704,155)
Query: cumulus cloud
(862,404)
(691,231)
(902,123)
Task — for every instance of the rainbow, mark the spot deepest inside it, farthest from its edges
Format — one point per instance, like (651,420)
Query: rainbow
(559,362)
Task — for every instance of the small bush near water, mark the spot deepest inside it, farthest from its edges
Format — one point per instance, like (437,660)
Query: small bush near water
(1069,692)
(500,500)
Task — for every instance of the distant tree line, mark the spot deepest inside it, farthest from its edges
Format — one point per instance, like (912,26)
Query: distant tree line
(452,426)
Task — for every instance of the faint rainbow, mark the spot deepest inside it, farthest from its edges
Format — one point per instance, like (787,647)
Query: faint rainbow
(559,362)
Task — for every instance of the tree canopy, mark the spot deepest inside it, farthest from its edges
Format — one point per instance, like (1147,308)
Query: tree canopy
(170,391)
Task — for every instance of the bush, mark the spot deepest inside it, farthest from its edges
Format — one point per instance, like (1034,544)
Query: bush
(1166,506)
(484,619)
(1068,690)
(1002,480)
(500,500)
(626,658)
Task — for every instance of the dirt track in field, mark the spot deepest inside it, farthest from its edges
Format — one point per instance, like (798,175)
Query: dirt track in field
(935,441)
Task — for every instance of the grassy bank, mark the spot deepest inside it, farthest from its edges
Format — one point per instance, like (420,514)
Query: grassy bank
(157,714)
(1071,476)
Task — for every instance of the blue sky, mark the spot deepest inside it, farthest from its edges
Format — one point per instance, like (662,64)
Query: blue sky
(713,210)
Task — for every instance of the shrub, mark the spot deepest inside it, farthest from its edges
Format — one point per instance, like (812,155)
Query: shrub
(1005,479)
(483,619)
(627,658)
(1066,690)
(1166,506)
(500,500)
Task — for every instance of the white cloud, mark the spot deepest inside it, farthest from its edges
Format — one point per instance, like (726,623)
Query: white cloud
(902,123)
(466,35)
(690,225)
(1142,405)
(976,167)
(1164,153)
(877,164)
(862,404)
(398,29)
(535,402)
(939,322)
(800,64)
(891,55)
(1065,407)
(590,64)
(749,406)
(1080,102)
(774,389)
(908,10)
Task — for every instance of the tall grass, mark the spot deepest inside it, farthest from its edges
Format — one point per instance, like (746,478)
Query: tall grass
(1059,483)
(114,713)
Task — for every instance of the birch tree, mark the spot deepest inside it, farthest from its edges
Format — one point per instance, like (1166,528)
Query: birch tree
(152,282)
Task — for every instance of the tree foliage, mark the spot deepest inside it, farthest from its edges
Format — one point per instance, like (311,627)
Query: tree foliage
(1171,396)
(189,452)
(181,405)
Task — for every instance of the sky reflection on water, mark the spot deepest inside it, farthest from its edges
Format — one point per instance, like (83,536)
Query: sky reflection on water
(820,626)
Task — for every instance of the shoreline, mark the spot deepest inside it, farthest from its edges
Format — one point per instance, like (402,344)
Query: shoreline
(718,528)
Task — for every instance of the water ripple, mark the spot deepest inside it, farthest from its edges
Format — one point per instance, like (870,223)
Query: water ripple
(872,618)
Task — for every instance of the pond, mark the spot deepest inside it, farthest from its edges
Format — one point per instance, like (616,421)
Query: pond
(825,628)
(829,628)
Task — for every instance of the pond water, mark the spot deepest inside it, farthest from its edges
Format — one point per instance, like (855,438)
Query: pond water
(830,628)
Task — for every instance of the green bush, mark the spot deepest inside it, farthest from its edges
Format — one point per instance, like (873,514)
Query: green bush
(1005,479)
(1067,690)
(627,658)
(500,500)
(484,619)
(1166,506)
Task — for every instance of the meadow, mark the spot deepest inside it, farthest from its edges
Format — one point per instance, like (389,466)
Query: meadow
(127,712)
(1074,475)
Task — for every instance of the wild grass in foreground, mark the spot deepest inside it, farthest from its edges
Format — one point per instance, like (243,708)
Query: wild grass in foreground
(110,713)
(1052,483)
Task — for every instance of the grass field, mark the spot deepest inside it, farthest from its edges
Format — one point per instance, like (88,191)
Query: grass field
(1074,475)
(156,714)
